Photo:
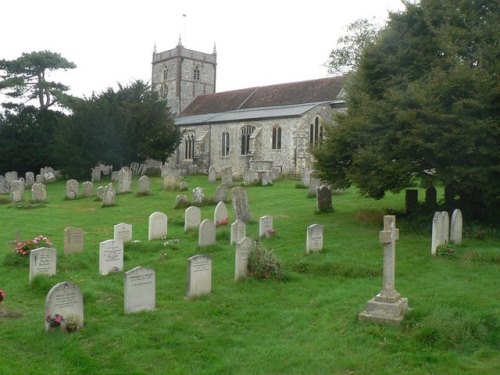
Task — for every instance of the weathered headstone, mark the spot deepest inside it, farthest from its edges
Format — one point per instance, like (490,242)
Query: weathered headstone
(139,290)
(181,200)
(73,240)
(71,189)
(199,276)
(38,192)
(192,218)
(212,174)
(314,238)
(226,175)
(39,178)
(110,256)
(29,179)
(240,205)
(64,300)
(388,306)
(108,195)
(437,228)
(96,174)
(144,186)
(221,193)
(124,180)
(314,183)
(4,189)
(16,191)
(220,214)
(198,195)
(158,224)
(445,229)
(266,228)
(411,200)
(324,199)
(243,249)
(206,233)
(100,192)
(456,227)
(238,231)
(87,189)
(10,177)
(122,232)
(43,261)
(266,178)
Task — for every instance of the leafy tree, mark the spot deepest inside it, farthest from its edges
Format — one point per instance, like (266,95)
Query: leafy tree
(423,106)
(345,56)
(26,78)
(115,127)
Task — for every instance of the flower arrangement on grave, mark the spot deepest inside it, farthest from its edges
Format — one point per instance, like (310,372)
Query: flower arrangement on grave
(222,222)
(54,321)
(2,295)
(271,232)
(23,248)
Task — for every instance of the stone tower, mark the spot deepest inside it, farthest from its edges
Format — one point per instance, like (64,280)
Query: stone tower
(181,74)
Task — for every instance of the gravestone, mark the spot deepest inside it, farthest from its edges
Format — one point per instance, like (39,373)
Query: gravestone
(114,176)
(87,189)
(11,177)
(243,249)
(199,276)
(43,261)
(124,180)
(39,178)
(221,193)
(445,223)
(212,174)
(171,182)
(206,233)
(181,200)
(226,175)
(314,183)
(388,306)
(220,214)
(266,178)
(4,189)
(266,228)
(198,195)
(158,224)
(71,189)
(437,228)
(73,240)
(100,192)
(139,290)
(240,205)
(430,197)
(456,227)
(238,231)
(324,199)
(411,200)
(314,238)
(38,192)
(66,300)
(122,232)
(108,196)
(192,218)
(29,178)
(144,186)
(110,256)
(305,177)
(96,174)
(16,191)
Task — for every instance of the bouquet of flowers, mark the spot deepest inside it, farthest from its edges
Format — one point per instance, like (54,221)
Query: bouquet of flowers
(23,247)
(2,295)
(54,321)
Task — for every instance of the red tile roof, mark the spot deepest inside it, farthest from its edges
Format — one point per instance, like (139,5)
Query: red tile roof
(318,90)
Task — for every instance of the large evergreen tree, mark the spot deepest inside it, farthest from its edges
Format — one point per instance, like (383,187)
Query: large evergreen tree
(423,106)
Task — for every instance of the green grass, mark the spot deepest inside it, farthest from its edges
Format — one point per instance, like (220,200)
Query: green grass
(304,323)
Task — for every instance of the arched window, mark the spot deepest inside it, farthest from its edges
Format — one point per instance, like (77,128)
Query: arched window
(189,146)
(225,144)
(196,74)
(276,138)
(165,74)
(315,133)
(246,132)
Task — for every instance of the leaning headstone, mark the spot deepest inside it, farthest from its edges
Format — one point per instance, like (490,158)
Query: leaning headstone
(243,249)
(456,226)
(43,261)
(73,240)
(206,233)
(29,178)
(314,238)
(108,196)
(445,230)
(238,231)
(324,199)
(139,290)
(212,174)
(198,195)
(220,214)
(16,191)
(38,192)
(388,306)
(122,232)
(226,175)
(199,276)
(71,189)
(266,228)
(110,256)
(221,193)
(192,218)
(87,189)
(158,223)
(411,200)
(437,228)
(240,205)
(144,186)
(64,300)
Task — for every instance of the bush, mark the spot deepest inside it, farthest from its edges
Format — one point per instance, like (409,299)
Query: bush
(264,264)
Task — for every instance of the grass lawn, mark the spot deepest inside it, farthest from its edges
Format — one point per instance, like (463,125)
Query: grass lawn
(303,324)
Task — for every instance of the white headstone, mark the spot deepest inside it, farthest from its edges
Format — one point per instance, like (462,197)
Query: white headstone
(43,261)
(87,189)
(238,231)
(314,241)
(122,232)
(144,186)
(456,227)
(124,180)
(73,240)
(266,228)
(212,174)
(199,276)
(110,256)
(16,191)
(64,300)
(221,193)
(206,233)
(445,227)
(139,290)
(220,214)
(108,195)
(158,224)
(72,189)
(243,250)
(192,218)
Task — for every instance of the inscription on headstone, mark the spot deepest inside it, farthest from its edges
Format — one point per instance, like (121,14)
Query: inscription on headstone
(64,300)
(43,261)
(314,240)
(122,232)
(199,276)
(139,290)
(110,256)
(73,240)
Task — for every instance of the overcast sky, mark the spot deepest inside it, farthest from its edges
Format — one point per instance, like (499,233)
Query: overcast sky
(259,42)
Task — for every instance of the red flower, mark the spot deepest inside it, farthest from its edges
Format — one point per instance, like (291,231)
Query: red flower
(271,232)
(222,222)
(23,247)
(2,295)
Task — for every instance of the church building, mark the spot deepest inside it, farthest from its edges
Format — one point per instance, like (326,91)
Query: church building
(277,124)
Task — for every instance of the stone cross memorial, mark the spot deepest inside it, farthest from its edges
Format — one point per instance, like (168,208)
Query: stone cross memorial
(388,306)
(139,290)
(199,276)
(314,238)
(110,256)
(43,261)
(64,300)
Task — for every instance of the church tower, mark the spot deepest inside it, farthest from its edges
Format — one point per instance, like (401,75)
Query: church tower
(181,74)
